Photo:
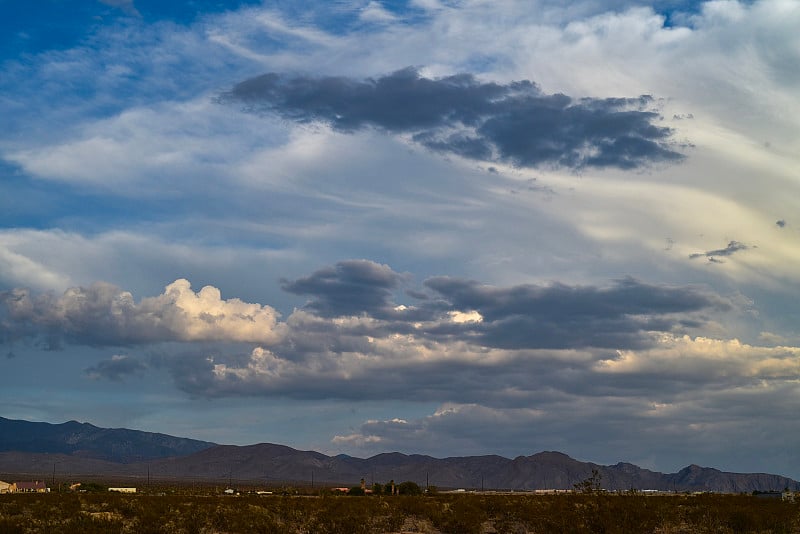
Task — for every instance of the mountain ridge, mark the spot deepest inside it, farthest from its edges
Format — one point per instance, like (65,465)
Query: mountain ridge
(119,445)
(92,451)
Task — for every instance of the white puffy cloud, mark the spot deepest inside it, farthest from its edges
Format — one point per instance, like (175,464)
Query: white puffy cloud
(206,316)
(103,314)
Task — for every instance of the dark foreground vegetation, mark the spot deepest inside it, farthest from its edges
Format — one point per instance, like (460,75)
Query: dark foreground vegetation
(173,512)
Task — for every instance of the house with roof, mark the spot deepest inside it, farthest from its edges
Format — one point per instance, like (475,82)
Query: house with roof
(7,487)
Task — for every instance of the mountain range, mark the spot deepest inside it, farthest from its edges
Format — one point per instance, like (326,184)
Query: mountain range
(72,449)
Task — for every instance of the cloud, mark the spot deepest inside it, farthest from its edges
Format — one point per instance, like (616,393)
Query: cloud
(375,12)
(679,397)
(562,316)
(520,317)
(17,268)
(351,333)
(465,341)
(514,123)
(116,368)
(350,287)
(607,429)
(135,151)
(103,314)
(713,255)
(729,363)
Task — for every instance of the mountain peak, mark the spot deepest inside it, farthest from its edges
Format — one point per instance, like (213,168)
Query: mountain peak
(91,442)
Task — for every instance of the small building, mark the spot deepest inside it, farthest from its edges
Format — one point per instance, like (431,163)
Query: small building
(123,490)
(7,487)
(36,486)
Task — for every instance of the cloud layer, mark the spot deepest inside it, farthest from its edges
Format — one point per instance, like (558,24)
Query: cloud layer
(456,340)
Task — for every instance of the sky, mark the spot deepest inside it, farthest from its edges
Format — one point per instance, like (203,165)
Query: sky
(446,227)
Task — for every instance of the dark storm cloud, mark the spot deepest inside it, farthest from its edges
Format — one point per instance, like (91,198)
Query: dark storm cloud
(555,316)
(626,297)
(561,316)
(514,123)
(359,294)
(351,287)
(116,368)
(712,255)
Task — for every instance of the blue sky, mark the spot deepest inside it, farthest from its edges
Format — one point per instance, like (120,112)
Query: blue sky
(439,227)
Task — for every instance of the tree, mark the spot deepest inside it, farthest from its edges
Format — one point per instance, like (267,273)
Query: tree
(591,484)
(409,488)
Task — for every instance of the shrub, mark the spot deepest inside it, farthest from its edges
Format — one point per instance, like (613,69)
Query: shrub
(409,488)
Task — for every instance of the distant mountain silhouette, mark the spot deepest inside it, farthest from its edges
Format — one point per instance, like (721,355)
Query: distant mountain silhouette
(74,449)
(118,445)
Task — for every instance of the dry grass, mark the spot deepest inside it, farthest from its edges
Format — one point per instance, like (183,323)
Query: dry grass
(462,514)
